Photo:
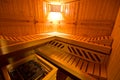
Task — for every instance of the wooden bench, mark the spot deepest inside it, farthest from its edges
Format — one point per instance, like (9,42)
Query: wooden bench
(80,56)
(86,64)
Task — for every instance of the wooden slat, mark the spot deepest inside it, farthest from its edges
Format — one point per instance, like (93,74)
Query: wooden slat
(16,38)
(97,69)
(68,58)
(63,59)
(56,56)
(79,64)
(103,71)
(5,73)
(75,62)
(28,38)
(25,38)
(6,38)
(84,66)
(90,68)
(12,39)
(21,39)
(61,56)
(71,60)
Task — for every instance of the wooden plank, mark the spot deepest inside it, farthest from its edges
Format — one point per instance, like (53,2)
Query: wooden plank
(79,64)
(28,37)
(21,39)
(5,73)
(16,39)
(90,68)
(85,66)
(82,54)
(98,38)
(71,60)
(55,55)
(2,37)
(31,36)
(103,71)
(106,37)
(75,61)
(64,56)
(61,56)
(11,38)
(97,69)
(6,38)
(68,58)
(102,38)
(24,37)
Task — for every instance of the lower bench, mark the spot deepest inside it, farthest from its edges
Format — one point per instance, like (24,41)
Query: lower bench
(78,67)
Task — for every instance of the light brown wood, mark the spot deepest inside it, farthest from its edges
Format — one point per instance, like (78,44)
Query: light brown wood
(114,62)
(89,23)
(94,18)
(103,71)
(90,68)
(84,66)
(97,69)
(5,73)
(69,63)
(51,75)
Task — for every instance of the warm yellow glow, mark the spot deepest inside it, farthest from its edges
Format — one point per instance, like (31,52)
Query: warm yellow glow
(55,16)
(57,34)
(55,3)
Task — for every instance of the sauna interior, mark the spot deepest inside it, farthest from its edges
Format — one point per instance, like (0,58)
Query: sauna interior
(59,39)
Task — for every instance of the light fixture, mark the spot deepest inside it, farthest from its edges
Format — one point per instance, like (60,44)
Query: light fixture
(55,15)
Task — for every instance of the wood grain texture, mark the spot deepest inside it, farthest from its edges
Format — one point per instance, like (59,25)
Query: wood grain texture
(114,63)
(73,63)
(91,18)
(21,18)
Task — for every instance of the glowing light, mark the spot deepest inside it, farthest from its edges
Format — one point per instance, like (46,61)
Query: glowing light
(55,16)
(55,3)
(57,34)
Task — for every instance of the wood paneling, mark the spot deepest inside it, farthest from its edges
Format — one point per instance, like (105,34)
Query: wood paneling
(90,17)
(114,63)
(98,9)
(20,18)
(16,28)
(16,9)
(16,17)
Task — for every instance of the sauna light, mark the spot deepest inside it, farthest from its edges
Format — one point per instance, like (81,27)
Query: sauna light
(55,3)
(55,15)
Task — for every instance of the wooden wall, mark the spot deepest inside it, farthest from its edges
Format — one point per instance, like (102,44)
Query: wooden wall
(114,62)
(89,17)
(22,17)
